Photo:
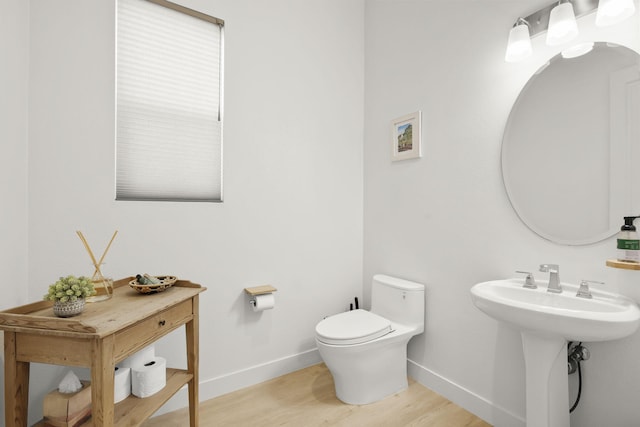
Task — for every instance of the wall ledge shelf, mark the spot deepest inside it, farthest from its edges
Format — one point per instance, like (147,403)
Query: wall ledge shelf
(260,290)
(623,264)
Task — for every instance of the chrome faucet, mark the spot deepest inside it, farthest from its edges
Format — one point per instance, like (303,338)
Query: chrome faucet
(554,277)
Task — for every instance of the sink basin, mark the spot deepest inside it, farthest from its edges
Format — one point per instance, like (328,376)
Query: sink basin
(607,316)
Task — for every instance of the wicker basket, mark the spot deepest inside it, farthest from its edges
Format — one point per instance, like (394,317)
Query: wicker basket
(165,283)
(68,309)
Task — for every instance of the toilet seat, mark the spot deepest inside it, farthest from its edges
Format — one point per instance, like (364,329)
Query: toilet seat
(352,327)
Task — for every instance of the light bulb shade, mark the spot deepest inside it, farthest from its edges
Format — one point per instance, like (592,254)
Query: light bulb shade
(613,11)
(562,25)
(519,44)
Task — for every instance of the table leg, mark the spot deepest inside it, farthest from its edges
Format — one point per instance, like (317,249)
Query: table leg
(193,353)
(102,370)
(16,384)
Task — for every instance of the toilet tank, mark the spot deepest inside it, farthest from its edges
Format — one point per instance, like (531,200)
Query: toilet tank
(398,300)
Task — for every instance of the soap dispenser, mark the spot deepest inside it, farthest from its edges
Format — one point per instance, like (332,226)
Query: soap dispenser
(628,242)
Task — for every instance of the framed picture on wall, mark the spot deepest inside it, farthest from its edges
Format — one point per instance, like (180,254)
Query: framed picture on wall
(406,137)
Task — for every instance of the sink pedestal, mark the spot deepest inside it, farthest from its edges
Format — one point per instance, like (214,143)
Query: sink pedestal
(546,380)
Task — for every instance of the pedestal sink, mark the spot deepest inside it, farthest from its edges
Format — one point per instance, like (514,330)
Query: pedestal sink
(546,322)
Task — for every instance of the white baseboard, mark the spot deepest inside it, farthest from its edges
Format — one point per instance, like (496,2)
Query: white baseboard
(217,386)
(477,405)
(257,374)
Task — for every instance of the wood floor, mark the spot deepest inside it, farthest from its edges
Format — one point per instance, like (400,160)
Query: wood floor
(306,398)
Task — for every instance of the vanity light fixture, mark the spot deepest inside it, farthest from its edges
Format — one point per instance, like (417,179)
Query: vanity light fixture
(562,24)
(613,11)
(519,44)
(559,21)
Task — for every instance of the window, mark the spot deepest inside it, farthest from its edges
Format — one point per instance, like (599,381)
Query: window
(168,103)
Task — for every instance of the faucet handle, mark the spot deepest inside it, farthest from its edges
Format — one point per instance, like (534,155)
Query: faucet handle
(545,268)
(529,281)
(583,291)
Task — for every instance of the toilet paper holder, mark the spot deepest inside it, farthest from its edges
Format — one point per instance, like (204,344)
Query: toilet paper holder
(258,290)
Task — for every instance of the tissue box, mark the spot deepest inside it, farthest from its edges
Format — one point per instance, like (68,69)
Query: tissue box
(67,409)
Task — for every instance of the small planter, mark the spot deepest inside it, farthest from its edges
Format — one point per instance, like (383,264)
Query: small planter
(69,288)
(68,309)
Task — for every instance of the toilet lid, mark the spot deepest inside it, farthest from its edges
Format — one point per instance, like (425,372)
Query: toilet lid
(352,327)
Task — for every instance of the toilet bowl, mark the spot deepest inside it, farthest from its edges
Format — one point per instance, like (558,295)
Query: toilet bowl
(366,351)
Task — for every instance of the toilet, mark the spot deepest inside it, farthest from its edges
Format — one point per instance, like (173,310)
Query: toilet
(366,351)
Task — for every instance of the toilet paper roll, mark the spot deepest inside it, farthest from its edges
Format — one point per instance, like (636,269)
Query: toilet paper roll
(150,378)
(264,302)
(121,384)
(138,359)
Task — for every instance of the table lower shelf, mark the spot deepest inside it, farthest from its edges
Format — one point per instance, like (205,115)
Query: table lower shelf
(133,411)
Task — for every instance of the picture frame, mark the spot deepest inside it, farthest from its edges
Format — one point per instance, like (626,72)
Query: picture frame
(406,137)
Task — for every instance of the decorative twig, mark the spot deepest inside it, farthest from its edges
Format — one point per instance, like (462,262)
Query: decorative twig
(106,249)
(97,264)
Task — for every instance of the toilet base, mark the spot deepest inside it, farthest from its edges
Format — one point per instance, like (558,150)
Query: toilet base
(363,375)
(373,392)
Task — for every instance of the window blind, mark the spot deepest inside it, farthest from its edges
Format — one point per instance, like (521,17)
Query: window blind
(168,103)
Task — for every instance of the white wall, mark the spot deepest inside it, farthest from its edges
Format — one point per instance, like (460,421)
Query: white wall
(445,220)
(14,40)
(292,215)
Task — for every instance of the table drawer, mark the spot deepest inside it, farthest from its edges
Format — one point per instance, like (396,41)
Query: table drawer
(143,333)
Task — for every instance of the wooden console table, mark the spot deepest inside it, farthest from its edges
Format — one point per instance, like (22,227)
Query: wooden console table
(103,335)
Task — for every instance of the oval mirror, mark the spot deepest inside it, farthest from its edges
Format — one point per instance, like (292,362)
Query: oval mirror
(571,146)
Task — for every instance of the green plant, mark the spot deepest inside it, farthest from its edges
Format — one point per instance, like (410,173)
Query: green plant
(70,289)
